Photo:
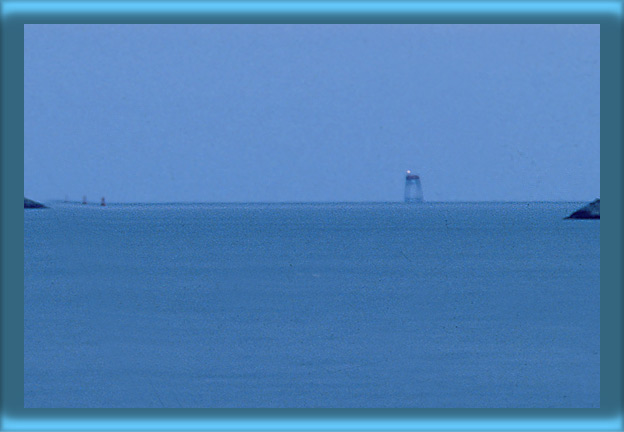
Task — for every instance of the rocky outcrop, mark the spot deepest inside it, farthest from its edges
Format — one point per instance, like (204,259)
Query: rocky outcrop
(32,204)
(590,211)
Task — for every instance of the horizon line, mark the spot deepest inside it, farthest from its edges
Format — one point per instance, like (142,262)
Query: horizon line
(97,202)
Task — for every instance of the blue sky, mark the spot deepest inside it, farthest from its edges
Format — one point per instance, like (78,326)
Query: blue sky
(242,113)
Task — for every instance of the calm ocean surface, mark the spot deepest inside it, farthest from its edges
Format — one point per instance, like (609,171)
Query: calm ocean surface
(311,305)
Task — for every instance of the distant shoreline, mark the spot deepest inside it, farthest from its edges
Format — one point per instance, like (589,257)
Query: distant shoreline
(96,203)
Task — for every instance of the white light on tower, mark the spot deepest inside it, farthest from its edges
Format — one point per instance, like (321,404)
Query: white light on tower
(413,188)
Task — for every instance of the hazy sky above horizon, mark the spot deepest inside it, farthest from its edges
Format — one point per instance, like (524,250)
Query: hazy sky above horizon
(142,113)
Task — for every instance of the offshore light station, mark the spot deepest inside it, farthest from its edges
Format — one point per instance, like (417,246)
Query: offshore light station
(413,188)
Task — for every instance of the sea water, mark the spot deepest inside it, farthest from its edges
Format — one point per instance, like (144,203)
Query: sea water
(311,305)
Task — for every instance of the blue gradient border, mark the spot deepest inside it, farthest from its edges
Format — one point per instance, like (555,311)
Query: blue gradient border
(17,13)
(307,6)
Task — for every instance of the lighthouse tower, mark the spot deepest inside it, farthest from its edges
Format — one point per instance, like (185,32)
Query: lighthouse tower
(413,188)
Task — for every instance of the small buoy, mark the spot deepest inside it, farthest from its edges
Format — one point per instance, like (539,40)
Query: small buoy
(84,199)
(103,202)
